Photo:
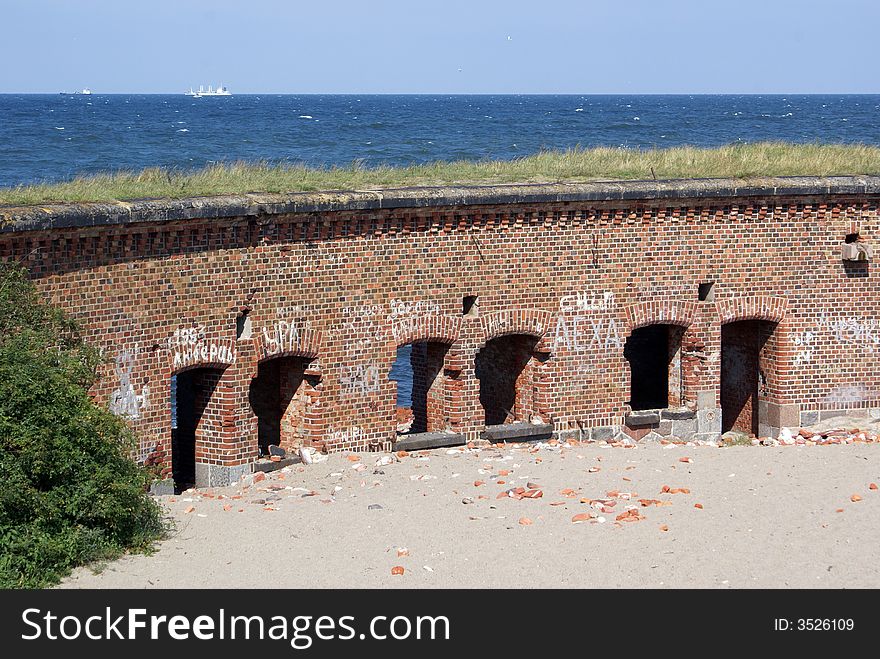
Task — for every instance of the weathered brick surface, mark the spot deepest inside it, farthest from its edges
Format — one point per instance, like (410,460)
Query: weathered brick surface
(561,285)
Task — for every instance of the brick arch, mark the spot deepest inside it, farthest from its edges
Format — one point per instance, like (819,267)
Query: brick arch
(287,339)
(660,312)
(203,354)
(429,327)
(532,322)
(756,307)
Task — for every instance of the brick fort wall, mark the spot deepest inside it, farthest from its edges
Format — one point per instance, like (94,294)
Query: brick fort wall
(531,307)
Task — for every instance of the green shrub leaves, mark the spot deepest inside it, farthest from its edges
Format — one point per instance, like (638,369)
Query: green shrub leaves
(69,491)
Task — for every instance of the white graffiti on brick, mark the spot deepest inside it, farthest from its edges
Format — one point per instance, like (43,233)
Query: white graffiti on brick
(401,309)
(405,316)
(360,379)
(125,401)
(586,301)
(360,330)
(186,336)
(582,333)
(347,435)
(804,343)
(863,332)
(189,346)
(506,321)
(296,311)
(362,311)
(851,393)
(284,336)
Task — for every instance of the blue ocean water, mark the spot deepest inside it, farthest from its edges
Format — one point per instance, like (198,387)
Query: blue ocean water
(401,372)
(53,137)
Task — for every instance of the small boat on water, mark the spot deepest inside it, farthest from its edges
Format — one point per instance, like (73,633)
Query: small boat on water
(83,92)
(210,91)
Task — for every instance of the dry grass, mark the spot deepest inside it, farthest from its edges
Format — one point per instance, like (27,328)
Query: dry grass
(577,164)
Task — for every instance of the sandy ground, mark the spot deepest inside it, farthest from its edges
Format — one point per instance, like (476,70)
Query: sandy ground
(769,518)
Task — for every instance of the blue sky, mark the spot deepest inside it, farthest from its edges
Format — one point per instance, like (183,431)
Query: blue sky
(394,46)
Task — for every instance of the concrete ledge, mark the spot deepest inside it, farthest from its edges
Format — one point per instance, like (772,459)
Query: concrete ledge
(426,440)
(518,432)
(54,216)
(268,465)
(678,415)
(645,418)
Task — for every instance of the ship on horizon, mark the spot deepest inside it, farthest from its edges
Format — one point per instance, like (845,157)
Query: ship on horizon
(210,91)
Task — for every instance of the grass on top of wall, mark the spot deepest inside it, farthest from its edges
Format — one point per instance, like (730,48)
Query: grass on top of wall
(573,165)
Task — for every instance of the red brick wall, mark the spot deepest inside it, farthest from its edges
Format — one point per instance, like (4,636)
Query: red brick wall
(347,287)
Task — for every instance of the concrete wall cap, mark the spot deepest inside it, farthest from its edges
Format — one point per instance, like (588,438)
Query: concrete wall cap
(74,215)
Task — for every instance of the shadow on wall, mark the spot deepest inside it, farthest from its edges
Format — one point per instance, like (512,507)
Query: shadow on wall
(857,269)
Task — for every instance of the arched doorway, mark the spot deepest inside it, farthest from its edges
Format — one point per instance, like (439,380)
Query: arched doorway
(191,421)
(745,365)
(654,356)
(505,368)
(283,397)
(421,405)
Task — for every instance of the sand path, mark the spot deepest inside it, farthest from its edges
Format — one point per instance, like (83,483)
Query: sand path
(768,519)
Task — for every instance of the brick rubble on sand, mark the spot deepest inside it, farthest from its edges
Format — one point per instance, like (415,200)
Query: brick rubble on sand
(807,437)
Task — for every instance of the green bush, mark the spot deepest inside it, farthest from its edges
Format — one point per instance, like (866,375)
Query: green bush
(69,491)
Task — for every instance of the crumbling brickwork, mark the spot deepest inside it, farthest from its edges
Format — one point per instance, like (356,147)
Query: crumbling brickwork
(329,286)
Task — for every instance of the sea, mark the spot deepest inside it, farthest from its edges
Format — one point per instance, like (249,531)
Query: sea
(55,137)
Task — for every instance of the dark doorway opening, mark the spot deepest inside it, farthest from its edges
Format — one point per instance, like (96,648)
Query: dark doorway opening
(654,356)
(418,371)
(191,392)
(743,374)
(280,397)
(506,389)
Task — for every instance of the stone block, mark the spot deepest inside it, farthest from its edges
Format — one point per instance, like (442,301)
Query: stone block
(160,488)
(566,435)
(678,414)
(705,399)
(518,432)
(825,415)
(604,433)
(640,419)
(684,428)
(709,421)
(427,440)
(858,251)
(809,418)
(635,433)
(208,475)
(780,415)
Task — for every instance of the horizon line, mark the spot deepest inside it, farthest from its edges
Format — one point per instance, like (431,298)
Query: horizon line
(311,93)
